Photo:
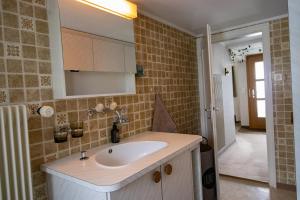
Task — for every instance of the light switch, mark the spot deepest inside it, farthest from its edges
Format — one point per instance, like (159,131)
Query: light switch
(277,77)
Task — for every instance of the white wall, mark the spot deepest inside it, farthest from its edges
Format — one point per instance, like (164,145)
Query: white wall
(294,17)
(242,90)
(221,60)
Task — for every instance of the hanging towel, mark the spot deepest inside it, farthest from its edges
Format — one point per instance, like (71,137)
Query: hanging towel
(162,120)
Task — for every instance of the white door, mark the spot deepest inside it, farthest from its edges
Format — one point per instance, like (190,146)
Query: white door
(211,101)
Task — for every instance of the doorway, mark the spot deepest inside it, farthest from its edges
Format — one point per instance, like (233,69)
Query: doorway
(208,115)
(241,146)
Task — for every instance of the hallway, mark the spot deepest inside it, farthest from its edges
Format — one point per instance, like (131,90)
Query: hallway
(247,157)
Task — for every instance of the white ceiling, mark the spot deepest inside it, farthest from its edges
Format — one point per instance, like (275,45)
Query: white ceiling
(193,15)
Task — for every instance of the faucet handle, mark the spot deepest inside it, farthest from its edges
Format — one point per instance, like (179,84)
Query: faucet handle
(124,119)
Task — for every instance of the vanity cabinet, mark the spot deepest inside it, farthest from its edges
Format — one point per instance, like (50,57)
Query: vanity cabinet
(87,52)
(108,56)
(78,52)
(170,181)
(92,51)
(145,188)
(177,178)
(130,59)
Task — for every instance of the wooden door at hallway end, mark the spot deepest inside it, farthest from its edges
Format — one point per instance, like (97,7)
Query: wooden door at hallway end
(256,91)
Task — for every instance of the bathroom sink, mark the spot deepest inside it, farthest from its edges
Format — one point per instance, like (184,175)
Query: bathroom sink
(124,154)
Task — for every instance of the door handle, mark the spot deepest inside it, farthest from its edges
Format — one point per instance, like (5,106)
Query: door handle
(251,93)
(207,109)
(216,109)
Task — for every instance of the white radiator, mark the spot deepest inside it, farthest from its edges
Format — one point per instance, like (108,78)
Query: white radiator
(16,183)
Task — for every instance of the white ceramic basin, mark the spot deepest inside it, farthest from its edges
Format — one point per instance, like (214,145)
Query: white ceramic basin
(124,154)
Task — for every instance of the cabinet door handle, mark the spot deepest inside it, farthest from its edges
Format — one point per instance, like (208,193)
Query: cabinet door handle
(157,177)
(168,169)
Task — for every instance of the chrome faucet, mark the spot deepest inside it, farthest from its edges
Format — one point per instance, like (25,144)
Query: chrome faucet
(121,118)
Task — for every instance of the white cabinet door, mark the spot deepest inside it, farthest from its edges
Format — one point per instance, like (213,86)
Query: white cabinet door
(77,51)
(178,185)
(130,61)
(142,189)
(108,56)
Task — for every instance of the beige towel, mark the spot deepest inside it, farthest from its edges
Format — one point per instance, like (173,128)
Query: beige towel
(162,120)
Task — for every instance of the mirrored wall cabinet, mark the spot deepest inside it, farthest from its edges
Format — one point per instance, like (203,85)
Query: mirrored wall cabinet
(92,51)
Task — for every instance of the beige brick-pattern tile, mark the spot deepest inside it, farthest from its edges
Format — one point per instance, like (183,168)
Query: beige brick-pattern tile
(168,57)
(282,98)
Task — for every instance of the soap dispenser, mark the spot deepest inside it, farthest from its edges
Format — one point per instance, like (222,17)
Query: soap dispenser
(115,133)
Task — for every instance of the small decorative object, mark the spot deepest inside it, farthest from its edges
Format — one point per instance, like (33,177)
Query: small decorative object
(76,129)
(61,135)
(139,71)
(226,71)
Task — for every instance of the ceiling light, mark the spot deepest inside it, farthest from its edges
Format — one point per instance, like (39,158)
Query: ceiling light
(254,34)
(121,8)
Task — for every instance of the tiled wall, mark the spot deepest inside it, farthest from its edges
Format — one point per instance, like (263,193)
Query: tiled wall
(169,59)
(167,55)
(282,98)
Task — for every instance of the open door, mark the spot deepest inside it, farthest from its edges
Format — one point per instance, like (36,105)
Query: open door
(210,104)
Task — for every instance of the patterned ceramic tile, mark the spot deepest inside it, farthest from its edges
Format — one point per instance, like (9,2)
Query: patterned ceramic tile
(40,2)
(27,23)
(45,81)
(13,50)
(61,118)
(32,108)
(3,96)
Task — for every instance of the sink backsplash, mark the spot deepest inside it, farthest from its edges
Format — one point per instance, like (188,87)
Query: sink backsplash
(170,66)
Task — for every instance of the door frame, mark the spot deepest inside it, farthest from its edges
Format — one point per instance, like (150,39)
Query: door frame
(235,34)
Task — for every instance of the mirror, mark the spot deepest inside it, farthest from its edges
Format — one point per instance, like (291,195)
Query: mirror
(93,51)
